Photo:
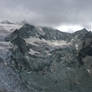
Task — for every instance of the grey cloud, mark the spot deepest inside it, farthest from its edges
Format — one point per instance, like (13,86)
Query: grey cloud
(47,12)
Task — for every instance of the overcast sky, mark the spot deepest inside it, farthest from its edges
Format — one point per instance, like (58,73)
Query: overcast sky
(48,12)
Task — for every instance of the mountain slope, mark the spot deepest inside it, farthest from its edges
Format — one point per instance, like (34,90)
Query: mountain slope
(46,60)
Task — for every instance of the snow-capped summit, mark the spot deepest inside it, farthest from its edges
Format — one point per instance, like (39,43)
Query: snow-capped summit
(9,26)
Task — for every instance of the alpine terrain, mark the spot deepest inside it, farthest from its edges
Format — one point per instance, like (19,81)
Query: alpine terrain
(43,59)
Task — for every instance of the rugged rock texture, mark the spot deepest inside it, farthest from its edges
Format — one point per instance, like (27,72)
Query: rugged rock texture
(41,59)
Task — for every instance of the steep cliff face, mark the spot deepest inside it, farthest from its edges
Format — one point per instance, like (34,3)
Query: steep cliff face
(47,60)
(85,53)
(9,79)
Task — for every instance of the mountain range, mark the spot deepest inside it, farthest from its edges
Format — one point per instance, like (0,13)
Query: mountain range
(43,59)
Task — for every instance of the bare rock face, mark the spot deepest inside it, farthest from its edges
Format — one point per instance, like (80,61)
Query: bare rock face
(41,59)
(85,53)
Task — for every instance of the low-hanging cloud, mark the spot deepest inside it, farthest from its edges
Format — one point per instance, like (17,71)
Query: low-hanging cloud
(47,12)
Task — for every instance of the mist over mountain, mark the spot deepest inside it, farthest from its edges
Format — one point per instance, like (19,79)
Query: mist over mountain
(44,59)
